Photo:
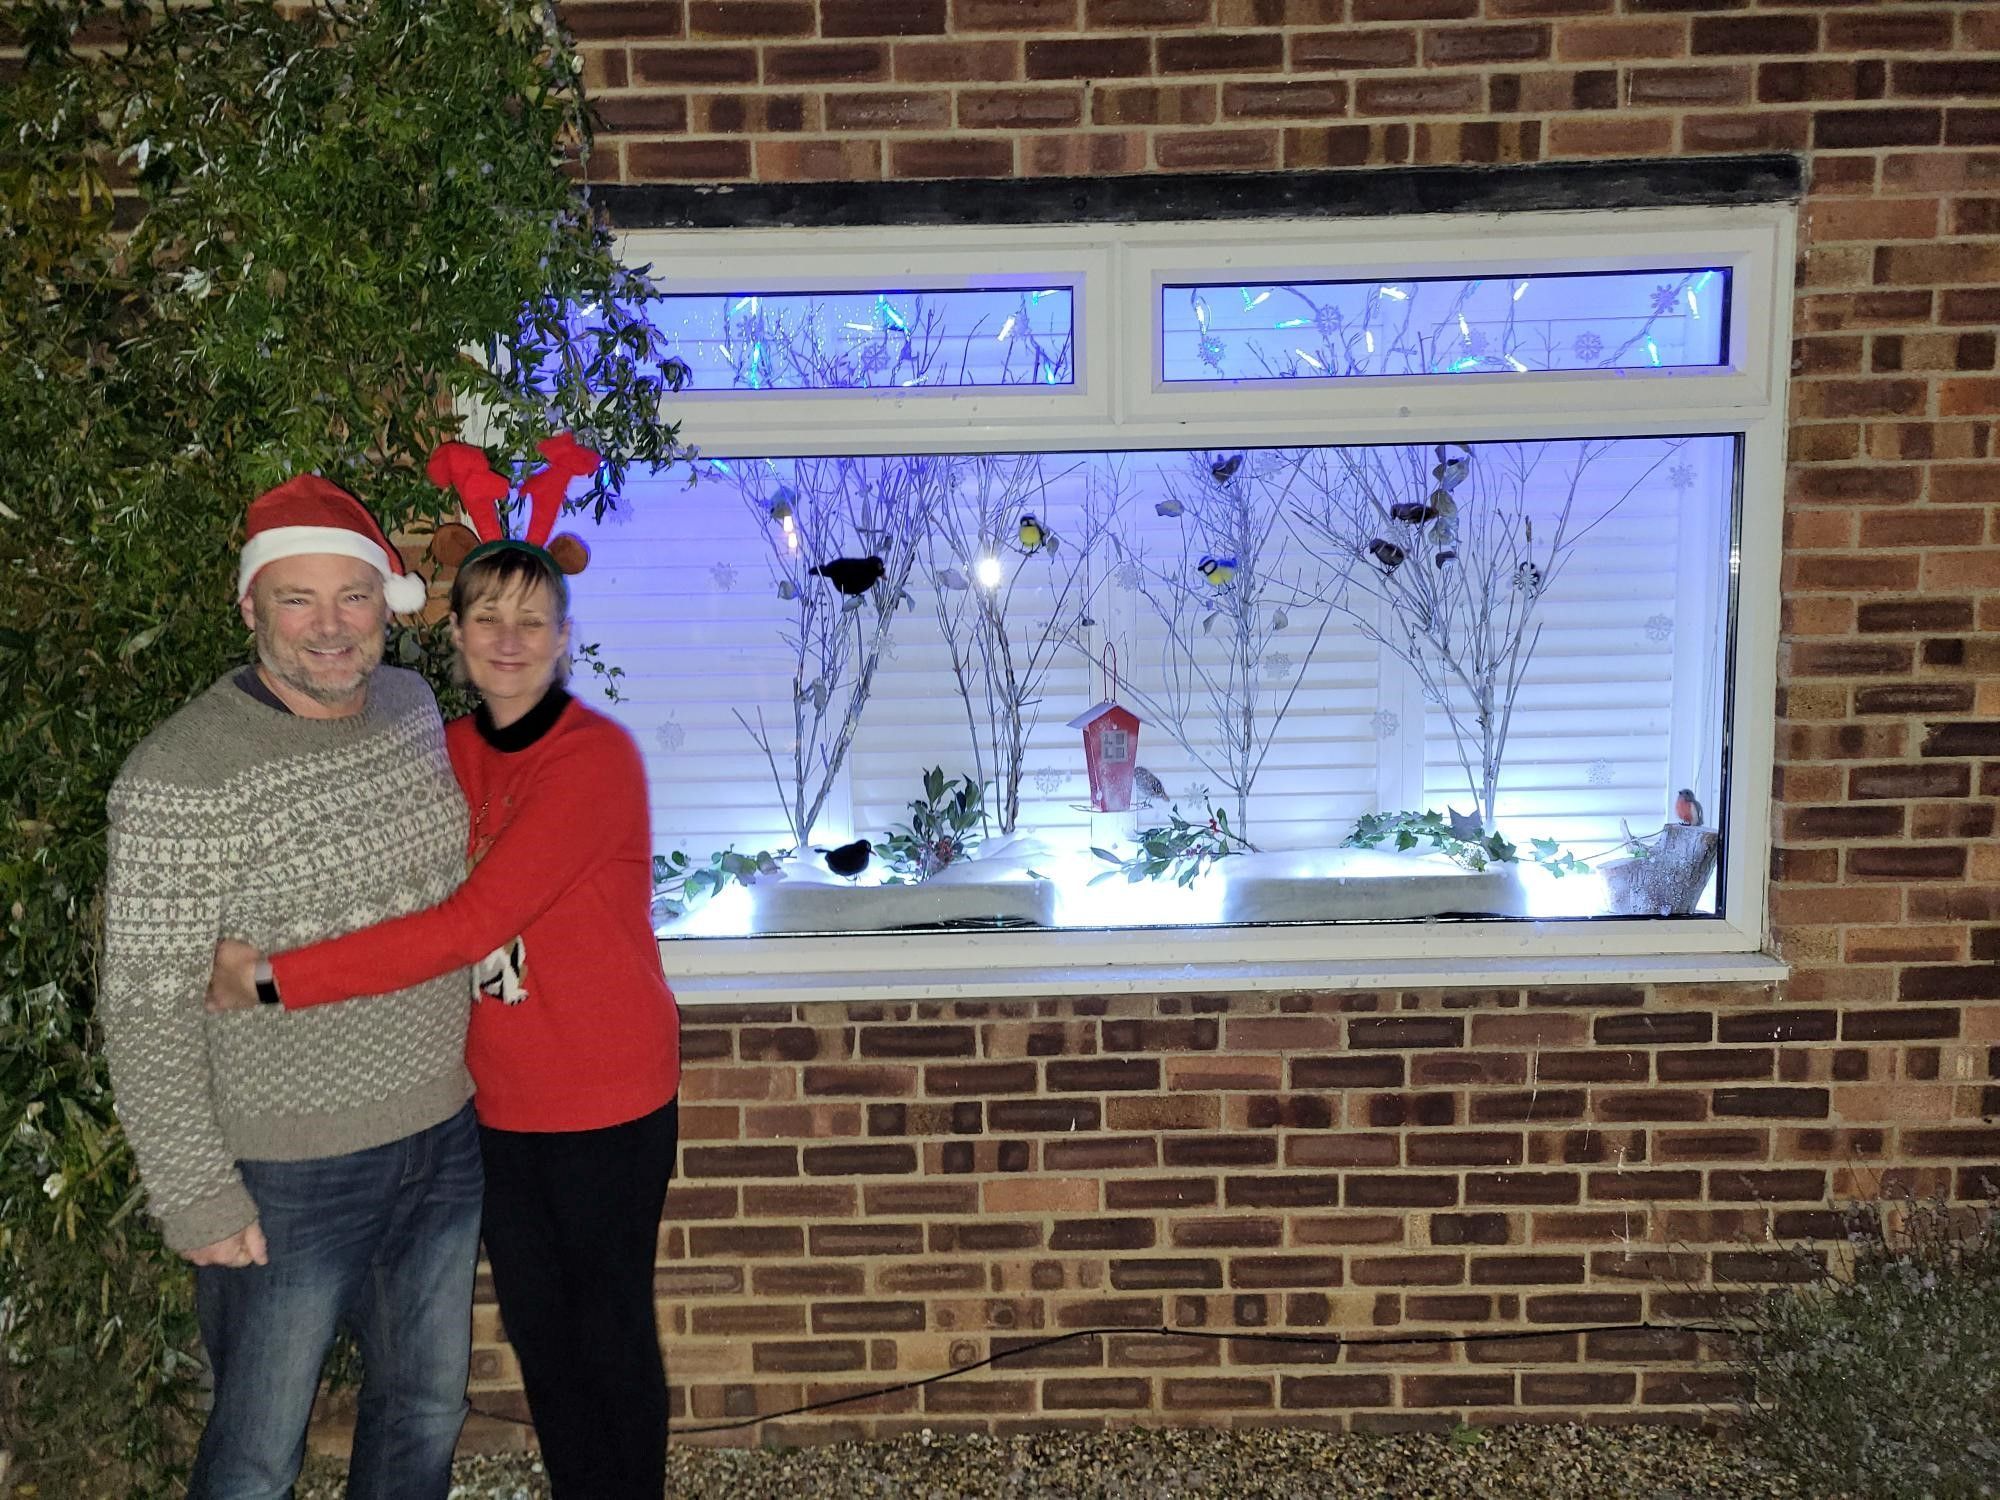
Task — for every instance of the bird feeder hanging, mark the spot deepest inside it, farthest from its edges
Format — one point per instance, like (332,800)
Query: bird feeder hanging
(1110,746)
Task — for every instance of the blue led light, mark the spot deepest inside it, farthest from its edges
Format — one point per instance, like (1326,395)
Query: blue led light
(1481,324)
(856,340)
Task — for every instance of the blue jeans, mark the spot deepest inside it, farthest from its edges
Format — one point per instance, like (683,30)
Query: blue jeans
(385,1242)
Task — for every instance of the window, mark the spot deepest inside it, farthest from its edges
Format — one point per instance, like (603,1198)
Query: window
(1289,593)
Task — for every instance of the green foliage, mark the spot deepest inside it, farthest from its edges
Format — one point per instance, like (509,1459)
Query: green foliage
(1557,860)
(681,886)
(1461,840)
(1884,1382)
(329,206)
(944,825)
(1179,850)
(1468,846)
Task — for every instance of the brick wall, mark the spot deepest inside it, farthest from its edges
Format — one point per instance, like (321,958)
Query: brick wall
(872,1193)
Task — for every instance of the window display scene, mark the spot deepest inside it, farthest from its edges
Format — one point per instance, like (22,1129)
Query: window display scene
(1220,684)
(941,339)
(1611,320)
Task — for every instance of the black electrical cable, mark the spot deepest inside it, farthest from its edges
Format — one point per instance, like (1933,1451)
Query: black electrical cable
(1319,1340)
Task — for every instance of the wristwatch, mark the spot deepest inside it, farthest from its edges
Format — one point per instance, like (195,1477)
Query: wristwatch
(267,983)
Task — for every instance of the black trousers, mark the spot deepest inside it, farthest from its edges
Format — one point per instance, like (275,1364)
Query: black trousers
(572,1221)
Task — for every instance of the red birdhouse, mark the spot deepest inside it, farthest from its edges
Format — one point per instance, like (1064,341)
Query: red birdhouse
(1111,751)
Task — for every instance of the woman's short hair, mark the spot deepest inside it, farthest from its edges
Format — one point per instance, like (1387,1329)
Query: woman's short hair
(504,570)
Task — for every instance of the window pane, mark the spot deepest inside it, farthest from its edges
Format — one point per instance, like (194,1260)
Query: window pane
(1624,320)
(1519,645)
(835,341)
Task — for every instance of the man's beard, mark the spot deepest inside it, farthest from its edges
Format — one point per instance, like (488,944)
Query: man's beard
(296,675)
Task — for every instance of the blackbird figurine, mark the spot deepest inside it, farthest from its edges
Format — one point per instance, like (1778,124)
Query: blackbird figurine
(1387,553)
(1224,469)
(851,575)
(1412,512)
(850,859)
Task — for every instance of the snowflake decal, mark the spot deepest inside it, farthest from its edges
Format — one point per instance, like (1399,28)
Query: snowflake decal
(1664,298)
(1660,628)
(617,512)
(1277,666)
(670,736)
(1326,323)
(1210,351)
(1478,342)
(1048,781)
(724,577)
(1129,575)
(1600,773)
(1681,477)
(1588,346)
(1385,723)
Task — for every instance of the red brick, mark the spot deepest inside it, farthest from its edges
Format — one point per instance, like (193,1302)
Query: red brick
(750,18)
(712,160)
(1347,50)
(1289,100)
(1863,129)
(1522,1187)
(1864,30)
(1460,46)
(845,62)
(1407,1270)
(1333,1392)
(1463,1149)
(1095,57)
(878,111)
(1019,109)
(1146,15)
(1818,83)
(1180,104)
(1243,53)
(1406,1031)
(1458,1390)
(1759,36)
(1638,135)
(1415,10)
(957,61)
(591,21)
(881,17)
(1772,1103)
(1418,96)
(1653,87)
(1013,15)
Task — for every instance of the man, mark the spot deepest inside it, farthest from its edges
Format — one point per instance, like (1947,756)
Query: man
(318,1168)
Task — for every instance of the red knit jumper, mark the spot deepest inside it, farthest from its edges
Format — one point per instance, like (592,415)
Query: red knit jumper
(563,859)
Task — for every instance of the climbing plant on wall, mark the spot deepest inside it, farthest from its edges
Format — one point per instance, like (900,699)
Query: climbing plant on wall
(237,242)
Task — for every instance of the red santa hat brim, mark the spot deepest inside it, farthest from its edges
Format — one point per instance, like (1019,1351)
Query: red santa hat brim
(310,515)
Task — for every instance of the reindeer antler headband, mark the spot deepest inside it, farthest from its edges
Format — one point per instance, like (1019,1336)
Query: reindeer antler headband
(463,468)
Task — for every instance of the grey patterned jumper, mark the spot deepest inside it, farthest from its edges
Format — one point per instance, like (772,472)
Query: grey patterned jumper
(233,819)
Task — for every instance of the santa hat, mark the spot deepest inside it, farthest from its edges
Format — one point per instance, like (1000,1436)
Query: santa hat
(309,514)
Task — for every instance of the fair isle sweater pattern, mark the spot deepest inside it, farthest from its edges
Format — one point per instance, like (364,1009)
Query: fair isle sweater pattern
(235,820)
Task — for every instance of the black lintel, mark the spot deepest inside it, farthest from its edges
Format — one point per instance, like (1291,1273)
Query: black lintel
(1167,197)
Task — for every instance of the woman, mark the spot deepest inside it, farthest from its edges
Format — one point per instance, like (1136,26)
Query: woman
(574,1039)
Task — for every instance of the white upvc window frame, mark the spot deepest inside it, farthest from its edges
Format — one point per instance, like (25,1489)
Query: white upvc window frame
(1120,401)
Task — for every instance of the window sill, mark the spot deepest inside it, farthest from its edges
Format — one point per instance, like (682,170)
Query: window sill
(1226,978)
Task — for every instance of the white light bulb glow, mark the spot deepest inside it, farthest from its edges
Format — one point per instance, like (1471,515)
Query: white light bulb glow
(987,571)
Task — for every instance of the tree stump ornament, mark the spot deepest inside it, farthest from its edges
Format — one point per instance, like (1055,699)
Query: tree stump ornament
(464,469)
(1668,878)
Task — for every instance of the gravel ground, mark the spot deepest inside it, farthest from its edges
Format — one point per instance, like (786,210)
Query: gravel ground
(1546,1463)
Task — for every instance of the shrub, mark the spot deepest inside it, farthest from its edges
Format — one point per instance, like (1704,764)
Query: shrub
(1881,1378)
(334,227)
